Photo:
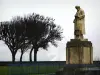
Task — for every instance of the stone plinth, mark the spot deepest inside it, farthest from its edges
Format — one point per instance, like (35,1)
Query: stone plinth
(80,69)
(79,52)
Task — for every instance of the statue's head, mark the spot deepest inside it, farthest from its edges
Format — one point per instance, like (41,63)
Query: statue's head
(77,7)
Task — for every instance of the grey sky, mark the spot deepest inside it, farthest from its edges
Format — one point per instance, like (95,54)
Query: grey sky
(63,12)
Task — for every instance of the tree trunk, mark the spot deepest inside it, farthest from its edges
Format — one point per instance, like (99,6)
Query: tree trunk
(31,55)
(35,54)
(21,57)
(13,57)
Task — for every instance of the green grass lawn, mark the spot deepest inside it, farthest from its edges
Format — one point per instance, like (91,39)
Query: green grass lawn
(3,70)
(27,70)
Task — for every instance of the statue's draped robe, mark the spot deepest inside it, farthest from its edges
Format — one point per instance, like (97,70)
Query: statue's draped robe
(79,23)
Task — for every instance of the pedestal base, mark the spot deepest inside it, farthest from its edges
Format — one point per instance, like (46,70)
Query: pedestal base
(79,52)
(79,69)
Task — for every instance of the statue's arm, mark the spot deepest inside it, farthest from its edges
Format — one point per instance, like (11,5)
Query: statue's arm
(82,15)
(76,16)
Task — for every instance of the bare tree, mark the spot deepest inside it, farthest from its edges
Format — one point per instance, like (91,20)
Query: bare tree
(12,35)
(41,31)
(33,31)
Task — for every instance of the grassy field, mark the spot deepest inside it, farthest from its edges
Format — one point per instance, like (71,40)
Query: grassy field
(28,70)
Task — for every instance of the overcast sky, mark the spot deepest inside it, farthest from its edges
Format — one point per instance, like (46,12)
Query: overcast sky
(63,12)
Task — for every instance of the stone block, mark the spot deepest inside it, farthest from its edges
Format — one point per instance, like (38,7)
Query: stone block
(79,52)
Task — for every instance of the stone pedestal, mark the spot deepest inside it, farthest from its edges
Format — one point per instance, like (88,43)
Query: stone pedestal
(79,52)
(79,69)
